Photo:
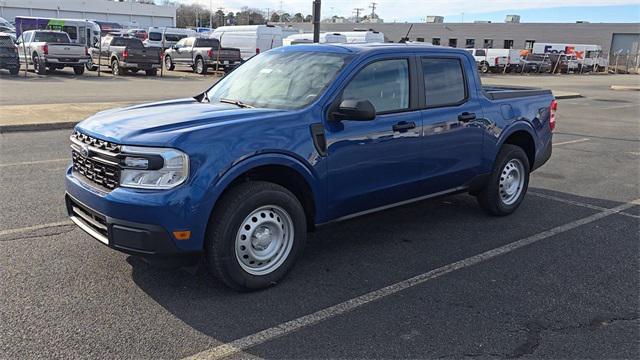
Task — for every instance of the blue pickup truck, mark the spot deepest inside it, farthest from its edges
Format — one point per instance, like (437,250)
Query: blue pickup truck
(298,137)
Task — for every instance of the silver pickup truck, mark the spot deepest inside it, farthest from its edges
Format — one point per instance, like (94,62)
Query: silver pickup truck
(51,50)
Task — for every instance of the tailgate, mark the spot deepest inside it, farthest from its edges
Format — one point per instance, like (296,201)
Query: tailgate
(72,51)
(143,55)
(227,54)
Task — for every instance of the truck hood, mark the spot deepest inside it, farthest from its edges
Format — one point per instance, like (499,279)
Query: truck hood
(161,123)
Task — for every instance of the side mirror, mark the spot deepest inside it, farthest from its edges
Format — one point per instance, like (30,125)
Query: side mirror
(355,109)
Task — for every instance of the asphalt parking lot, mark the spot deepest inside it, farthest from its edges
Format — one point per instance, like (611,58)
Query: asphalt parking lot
(435,279)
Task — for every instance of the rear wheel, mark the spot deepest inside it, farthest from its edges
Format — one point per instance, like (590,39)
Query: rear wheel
(151,72)
(255,235)
(78,70)
(14,70)
(484,67)
(508,183)
(38,66)
(116,70)
(200,67)
(168,63)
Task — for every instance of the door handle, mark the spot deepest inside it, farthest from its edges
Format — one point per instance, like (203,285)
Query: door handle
(403,126)
(466,117)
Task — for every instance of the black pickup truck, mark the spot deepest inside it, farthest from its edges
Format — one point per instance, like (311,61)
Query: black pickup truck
(201,54)
(9,54)
(125,53)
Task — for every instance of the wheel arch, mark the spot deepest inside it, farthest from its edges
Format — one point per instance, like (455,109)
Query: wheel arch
(523,138)
(280,169)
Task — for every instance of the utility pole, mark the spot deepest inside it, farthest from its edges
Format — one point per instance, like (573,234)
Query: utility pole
(316,20)
(211,14)
(357,12)
(373,9)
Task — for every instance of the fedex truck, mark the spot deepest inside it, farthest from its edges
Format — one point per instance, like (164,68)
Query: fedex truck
(587,55)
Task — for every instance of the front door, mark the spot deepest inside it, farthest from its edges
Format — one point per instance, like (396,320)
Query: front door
(377,162)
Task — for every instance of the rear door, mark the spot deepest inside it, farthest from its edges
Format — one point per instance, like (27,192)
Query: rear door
(452,118)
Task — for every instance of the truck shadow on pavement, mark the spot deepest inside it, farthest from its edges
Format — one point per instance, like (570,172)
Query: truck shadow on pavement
(348,259)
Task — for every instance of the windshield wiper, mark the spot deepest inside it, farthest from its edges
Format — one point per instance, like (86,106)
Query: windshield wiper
(237,103)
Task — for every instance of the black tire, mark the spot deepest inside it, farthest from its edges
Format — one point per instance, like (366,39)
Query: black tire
(484,67)
(200,67)
(116,70)
(90,65)
(151,72)
(38,67)
(491,198)
(225,225)
(14,70)
(168,63)
(78,70)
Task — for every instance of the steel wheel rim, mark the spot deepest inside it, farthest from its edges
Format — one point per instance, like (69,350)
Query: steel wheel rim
(264,240)
(511,181)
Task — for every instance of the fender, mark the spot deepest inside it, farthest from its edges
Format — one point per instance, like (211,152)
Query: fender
(221,182)
(512,128)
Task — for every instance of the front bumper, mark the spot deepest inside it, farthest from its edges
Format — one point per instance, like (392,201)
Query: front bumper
(135,222)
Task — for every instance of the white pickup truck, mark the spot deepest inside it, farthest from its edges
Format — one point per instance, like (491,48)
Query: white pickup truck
(52,50)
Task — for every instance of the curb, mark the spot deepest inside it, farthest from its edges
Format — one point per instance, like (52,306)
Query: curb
(625,88)
(37,127)
(568,96)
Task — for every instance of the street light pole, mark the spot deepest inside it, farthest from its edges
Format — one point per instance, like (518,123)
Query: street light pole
(316,20)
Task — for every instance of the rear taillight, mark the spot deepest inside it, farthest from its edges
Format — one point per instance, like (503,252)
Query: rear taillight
(257,51)
(210,53)
(45,49)
(86,51)
(552,114)
(125,54)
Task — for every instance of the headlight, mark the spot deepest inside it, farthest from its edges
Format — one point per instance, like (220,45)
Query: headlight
(153,168)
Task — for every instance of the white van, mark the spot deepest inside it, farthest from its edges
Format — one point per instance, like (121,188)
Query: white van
(288,31)
(171,36)
(250,39)
(363,36)
(587,55)
(329,38)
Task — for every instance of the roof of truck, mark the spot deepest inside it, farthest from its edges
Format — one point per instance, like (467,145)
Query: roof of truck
(361,48)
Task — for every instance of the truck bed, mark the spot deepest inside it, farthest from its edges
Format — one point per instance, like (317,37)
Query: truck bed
(495,92)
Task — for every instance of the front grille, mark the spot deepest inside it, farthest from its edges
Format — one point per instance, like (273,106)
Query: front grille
(102,174)
(99,163)
(90,220)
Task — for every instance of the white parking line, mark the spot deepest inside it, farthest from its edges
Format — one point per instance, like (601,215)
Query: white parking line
(263,336)
(35,227)
(577,203)
(572,141)
(35,162)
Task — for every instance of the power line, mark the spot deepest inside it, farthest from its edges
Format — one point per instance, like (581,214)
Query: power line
(357,11)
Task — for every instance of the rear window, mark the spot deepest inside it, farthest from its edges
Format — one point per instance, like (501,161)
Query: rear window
(444,82)
(481,53)
(52,37)
(174,37)
(155,36)
(6,41)
(213,43)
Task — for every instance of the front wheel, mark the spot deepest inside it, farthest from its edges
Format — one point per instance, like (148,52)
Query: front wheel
(508,183)
(90,65)
(255,234)
(168,63)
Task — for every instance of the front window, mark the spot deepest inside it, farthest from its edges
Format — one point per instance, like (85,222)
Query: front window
(280,80)
(155,36)
(384,83)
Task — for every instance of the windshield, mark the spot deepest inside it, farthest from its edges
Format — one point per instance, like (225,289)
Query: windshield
(52,37)
(280,80)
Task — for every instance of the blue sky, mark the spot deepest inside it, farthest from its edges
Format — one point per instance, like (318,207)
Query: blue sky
(494,10)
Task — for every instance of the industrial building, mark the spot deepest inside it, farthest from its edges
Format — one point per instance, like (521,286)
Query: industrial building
(612,37)
(125,13)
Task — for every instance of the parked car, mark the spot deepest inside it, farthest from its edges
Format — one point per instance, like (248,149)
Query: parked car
(9,54)
(52,50)
(124,54)
(241,172)
(535,63)
(305,38)
(171,36)
(138,33)
(561,63)
(250,39)
(201,54)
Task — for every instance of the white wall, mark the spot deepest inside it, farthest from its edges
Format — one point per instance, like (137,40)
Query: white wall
(142,15)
